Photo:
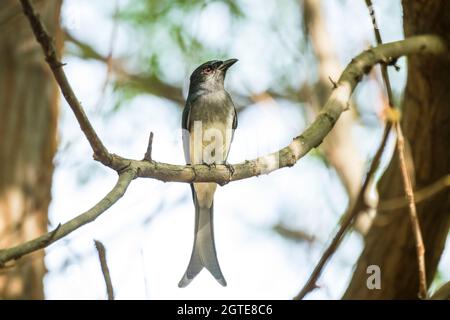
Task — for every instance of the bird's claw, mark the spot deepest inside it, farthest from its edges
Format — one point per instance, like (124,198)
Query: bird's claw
(230,168)
(210,165)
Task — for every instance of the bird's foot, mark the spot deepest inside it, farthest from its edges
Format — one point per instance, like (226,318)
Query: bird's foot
(210,165)
(230,168)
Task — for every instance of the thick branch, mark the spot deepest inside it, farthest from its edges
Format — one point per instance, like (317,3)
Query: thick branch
(310,138)
(352,213)
(286,157)
(389,243)
(63,230)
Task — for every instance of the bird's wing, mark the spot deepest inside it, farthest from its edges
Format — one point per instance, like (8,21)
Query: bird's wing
(235,119)
(234,124)
(185,131)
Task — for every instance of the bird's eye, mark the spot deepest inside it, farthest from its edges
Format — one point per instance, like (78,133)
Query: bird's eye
(207,70)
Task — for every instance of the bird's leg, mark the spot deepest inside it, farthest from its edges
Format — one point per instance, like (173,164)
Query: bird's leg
(230,168)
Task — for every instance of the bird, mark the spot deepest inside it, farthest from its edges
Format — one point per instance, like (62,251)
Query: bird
(208,123)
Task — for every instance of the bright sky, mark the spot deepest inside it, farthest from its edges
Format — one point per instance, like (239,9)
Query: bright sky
(149,232)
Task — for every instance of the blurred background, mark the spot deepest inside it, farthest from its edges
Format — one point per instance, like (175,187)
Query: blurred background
(129,63)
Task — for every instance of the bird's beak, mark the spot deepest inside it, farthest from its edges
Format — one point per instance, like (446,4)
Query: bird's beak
(226,64)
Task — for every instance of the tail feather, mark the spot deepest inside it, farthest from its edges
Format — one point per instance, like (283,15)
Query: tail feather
(204,251)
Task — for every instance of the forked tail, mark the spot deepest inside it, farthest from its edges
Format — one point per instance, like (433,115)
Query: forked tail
(204,250)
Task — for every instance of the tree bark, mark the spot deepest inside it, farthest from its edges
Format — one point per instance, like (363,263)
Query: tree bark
(426,125)
(28,140)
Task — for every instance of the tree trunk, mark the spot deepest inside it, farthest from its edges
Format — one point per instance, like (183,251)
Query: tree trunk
(28,118)
(426,125)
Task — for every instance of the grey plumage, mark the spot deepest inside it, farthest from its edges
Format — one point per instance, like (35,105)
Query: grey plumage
(208,122)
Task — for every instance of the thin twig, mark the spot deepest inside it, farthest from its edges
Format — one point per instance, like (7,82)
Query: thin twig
(286,157)
(333,83)
(420,248)
(148,153)
(384,71)
(359,203)
(296,235)
(64,229)
(349,217)
(105,270)
(46,42)
(302,144)
(419,195)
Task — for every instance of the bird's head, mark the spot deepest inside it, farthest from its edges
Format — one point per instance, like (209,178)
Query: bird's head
(210,75)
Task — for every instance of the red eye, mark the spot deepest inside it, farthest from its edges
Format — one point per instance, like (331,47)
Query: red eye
(207,70)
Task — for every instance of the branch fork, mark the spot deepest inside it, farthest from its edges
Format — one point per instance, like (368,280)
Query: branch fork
(129,169)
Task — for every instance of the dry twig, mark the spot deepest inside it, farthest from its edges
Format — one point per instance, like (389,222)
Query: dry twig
(148,153)
(349,217)
(129,169)
(64,229)
(419,195)
(420,248)
(105,270)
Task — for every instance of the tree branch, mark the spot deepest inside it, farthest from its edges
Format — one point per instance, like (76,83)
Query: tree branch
(347,221)
(302,144)
(359,203)
(420,248)
(293,234)
(46,42)
(153,85)
(147,83)
(63,230)
(419,196)
(105,270)
(286,157)
(129,169)
(148,153)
